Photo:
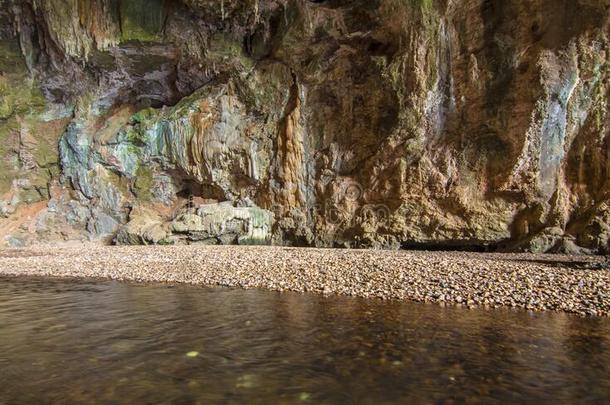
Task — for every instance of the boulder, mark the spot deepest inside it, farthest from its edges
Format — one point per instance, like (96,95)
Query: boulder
(225,224)
(145,227)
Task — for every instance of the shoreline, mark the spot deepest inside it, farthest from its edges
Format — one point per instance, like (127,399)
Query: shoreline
(535,282)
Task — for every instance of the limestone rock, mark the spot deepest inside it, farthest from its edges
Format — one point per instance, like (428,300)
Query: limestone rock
(225,224)
(543,241)
(386,123)
(211,223)
(144,227)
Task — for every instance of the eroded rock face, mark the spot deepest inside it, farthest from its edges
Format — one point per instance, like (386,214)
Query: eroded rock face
(384,123)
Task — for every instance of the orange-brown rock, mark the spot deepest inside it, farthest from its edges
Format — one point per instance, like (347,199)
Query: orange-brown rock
(376,123)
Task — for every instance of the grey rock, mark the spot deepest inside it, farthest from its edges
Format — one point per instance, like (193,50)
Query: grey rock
(101,224)
(15,241)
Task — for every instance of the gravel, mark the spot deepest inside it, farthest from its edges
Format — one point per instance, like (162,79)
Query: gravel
(533,282)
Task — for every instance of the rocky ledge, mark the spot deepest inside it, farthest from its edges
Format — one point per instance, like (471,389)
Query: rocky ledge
(533,282)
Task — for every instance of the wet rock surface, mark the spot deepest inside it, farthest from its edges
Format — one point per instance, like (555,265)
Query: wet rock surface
(386,123)
(533,282)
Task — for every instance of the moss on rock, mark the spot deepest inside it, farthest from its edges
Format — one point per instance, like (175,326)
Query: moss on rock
(143,183)
(142,20)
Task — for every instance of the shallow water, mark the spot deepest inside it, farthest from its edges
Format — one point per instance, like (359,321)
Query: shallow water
(66,341)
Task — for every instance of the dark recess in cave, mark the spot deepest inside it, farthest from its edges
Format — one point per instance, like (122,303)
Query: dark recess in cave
(453,246)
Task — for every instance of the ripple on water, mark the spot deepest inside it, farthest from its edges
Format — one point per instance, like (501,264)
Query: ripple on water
(105,341)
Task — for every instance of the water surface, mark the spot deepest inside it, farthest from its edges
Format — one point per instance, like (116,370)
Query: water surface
(109,342)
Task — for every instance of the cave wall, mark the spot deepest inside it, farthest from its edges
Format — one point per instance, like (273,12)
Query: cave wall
(356,123)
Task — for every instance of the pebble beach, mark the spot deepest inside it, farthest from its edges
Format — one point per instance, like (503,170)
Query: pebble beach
(533,282)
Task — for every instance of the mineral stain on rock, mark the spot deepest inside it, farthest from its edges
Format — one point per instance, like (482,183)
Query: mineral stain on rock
(387,123)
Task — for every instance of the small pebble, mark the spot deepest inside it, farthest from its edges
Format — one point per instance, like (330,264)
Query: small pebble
(536,282)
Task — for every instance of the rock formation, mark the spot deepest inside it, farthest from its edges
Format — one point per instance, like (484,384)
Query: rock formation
(478,124)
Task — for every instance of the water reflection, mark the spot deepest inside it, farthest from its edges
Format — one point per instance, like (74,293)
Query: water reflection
(107,341)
